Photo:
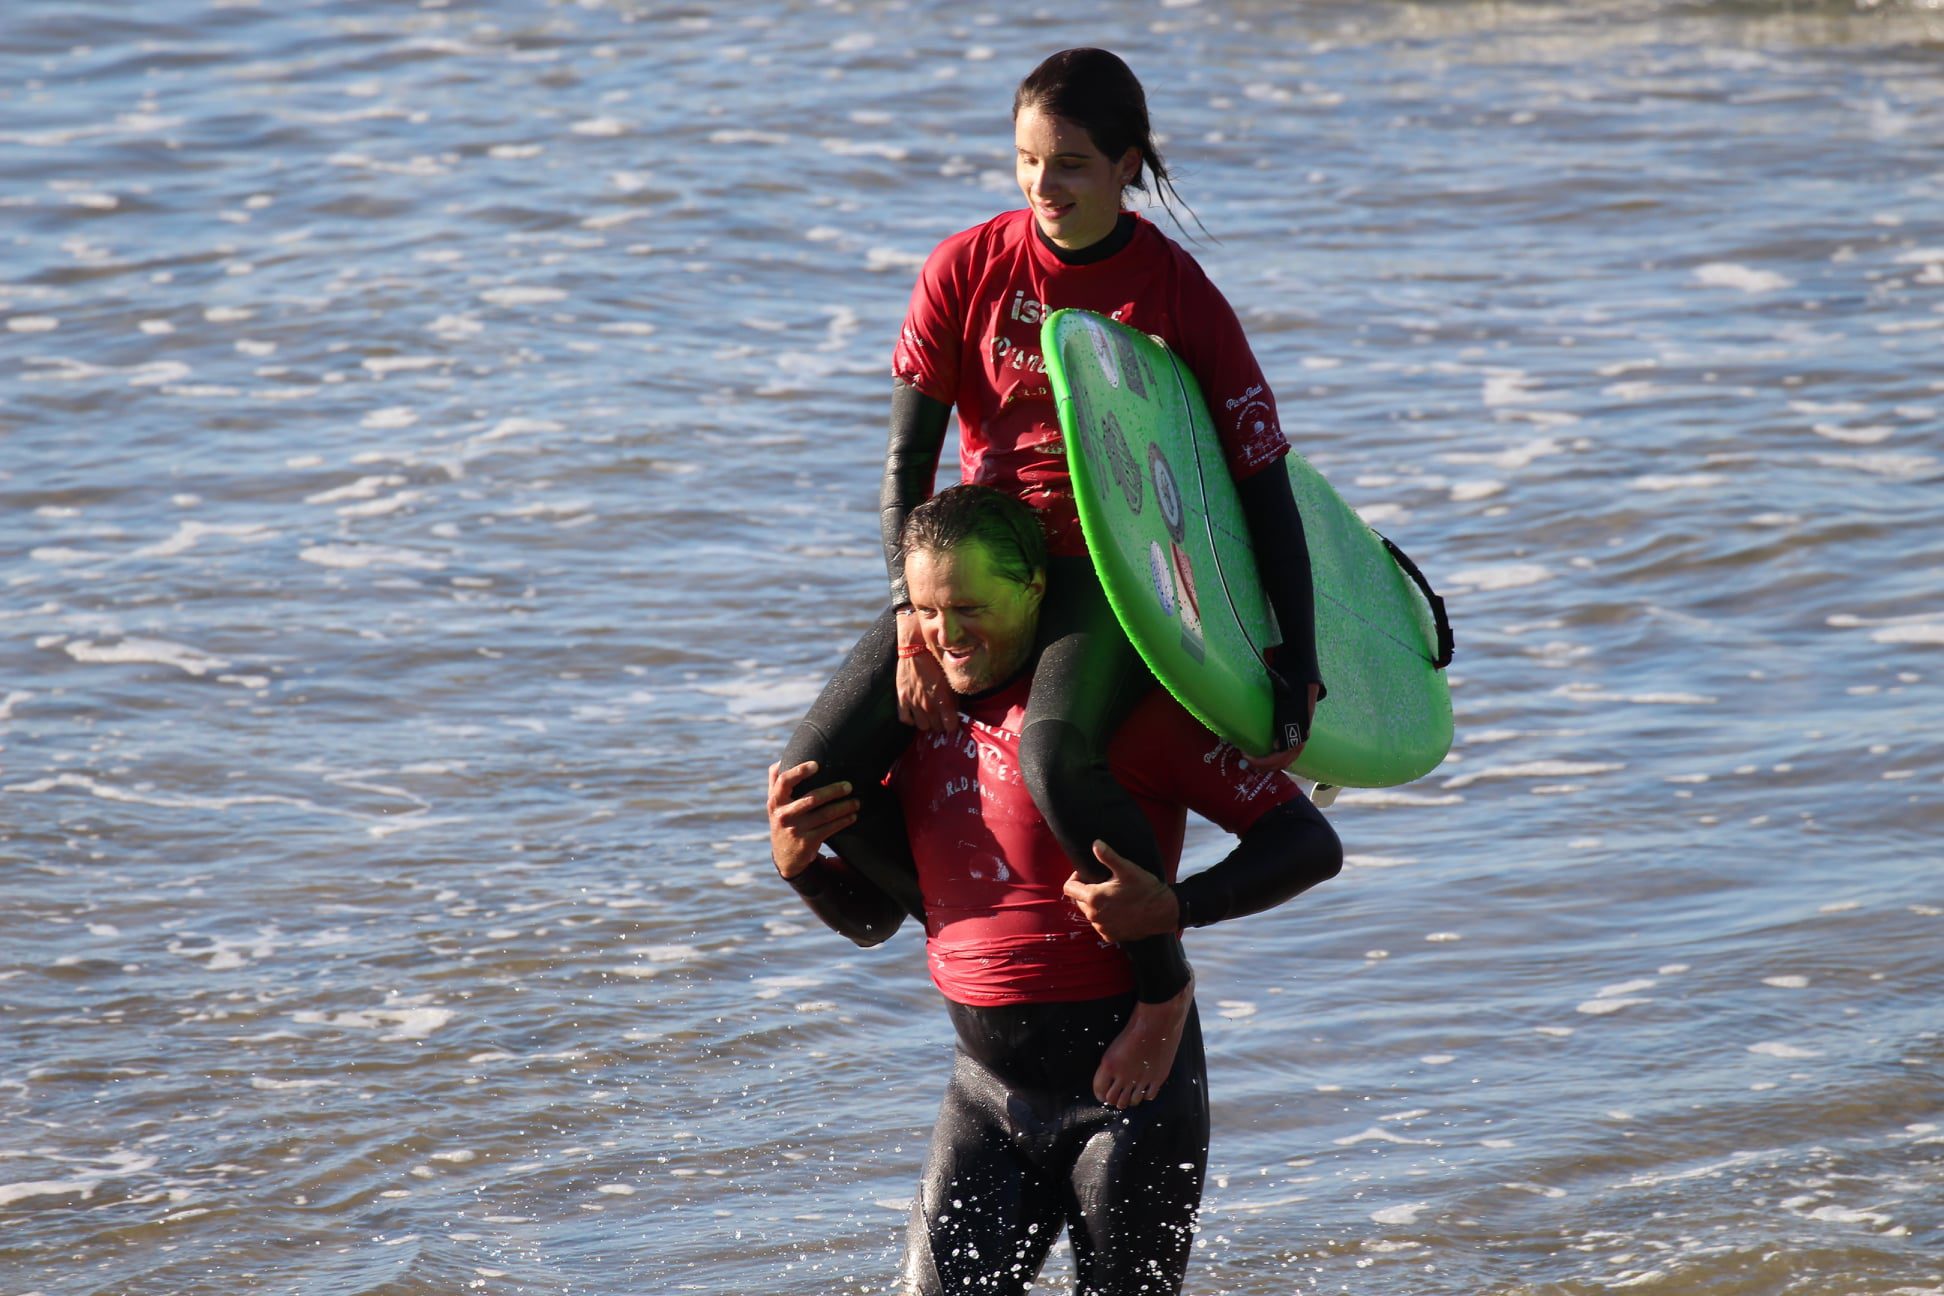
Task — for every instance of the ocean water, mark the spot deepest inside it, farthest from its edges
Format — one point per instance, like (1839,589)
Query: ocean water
(439,446)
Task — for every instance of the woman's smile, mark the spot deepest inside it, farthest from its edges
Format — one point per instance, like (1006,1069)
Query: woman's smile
(1073,189)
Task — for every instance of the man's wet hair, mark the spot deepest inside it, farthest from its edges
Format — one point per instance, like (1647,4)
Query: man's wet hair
(1010,531)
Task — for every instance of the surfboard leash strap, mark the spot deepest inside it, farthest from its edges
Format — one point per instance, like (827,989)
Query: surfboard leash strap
(1443,621)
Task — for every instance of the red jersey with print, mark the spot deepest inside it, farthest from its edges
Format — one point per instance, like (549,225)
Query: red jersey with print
(972,339)
(999,928)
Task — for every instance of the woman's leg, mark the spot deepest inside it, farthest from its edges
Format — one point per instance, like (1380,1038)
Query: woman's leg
(1088,680)
(852,732)
(1136,1186)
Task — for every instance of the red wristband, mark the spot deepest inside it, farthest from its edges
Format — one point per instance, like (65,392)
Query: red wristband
(912,650)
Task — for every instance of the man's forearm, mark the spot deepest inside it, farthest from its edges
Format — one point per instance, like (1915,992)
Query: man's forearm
(847,903)
(1287,851)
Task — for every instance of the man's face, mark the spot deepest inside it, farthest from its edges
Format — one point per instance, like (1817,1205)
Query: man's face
(977,623)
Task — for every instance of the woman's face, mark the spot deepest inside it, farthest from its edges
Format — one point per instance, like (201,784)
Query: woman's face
(1072,187)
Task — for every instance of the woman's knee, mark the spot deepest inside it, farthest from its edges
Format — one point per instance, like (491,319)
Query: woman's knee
(1058,764)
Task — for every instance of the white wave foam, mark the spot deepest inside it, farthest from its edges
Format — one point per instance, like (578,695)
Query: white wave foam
(411,1022)
(601,127)
(353,556)
(1677,481)
(1778,1049)
(1869,434)
(13,1192)
(1537,769)
(880,259)
(747,137)
(1727,274)
(189,534)
(1508,387)
(1378,861)
(1881,464)
(1628,987)
(522,296)
(111,792)
(1400,1214)
(390,419)
(363,488)
(1379,797)
(1376,1134)
(158,652)
(63,556)
(1932,633)
(1502,576)
(1509,459)
(385,366)
(1540,1190)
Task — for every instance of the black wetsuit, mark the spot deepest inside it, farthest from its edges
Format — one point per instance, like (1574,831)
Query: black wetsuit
(1088,679)
(1022,1148)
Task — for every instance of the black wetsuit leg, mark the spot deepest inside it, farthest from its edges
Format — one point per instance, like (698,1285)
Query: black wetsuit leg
(853,733)
(1022,1147)
(1088,680)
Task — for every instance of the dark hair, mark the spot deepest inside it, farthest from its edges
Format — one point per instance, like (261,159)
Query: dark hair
(1009,530)
(1096,91)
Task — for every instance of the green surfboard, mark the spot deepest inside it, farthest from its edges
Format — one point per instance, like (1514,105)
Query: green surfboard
(1165,528)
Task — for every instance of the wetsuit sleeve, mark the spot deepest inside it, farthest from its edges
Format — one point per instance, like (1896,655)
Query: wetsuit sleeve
(847,903)
(1276,533)
(1284,853)
(910,468)
(1244,409)
(1217,352)
(1162,754)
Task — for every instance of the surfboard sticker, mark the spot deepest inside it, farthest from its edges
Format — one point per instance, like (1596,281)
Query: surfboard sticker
(1133,370)
(1106,355)
(1161,574)
(1126,472)
(1183,581)
(1166,493)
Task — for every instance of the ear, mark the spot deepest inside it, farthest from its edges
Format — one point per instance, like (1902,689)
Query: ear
(1129,166)
(1036,587)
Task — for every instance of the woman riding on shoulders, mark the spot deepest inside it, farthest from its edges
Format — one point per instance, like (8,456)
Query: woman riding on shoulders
(971,341)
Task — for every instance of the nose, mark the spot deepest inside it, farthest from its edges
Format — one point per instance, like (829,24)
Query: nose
(948,629)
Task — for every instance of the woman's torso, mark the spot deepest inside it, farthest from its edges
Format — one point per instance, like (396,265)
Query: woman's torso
(972,339)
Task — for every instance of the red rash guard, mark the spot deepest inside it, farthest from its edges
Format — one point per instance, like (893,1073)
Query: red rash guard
(999,929)
(971,339)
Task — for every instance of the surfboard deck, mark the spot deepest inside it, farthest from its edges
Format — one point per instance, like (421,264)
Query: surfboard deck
(1165,527)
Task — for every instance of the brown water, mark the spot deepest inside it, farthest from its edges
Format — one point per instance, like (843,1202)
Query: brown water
(439,446)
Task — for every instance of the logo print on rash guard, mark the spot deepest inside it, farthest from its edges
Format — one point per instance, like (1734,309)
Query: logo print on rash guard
(1251,412)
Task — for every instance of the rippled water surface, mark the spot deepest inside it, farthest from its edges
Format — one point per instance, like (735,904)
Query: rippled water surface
(439,447)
